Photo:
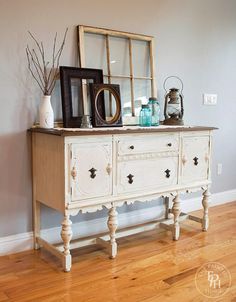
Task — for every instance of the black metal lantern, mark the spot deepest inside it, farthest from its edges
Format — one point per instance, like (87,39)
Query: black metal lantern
(173,109)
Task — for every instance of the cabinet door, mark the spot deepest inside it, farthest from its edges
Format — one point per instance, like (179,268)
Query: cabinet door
(90,170)
(195,159)
(146,175)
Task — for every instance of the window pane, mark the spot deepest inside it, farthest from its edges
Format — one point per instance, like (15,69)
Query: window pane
(142,92)
(95,51)
(141,58)
(119,56)
(105,80)
(125,94)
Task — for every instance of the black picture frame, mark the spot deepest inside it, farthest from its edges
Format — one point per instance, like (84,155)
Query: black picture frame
(66,75)
(97,101)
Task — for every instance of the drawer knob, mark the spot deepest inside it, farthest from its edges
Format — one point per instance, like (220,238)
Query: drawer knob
(131,147)
(169,144)
(92,171)
(195,161)
(167,173)
(130,178)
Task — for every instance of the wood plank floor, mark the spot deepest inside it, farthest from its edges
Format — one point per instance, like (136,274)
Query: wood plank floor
(149,267)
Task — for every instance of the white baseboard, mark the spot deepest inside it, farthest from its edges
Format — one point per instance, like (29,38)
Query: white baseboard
(22,242)
(194,204)
(16,243)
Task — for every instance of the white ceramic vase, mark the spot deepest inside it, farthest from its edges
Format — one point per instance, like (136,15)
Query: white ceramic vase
(46,115)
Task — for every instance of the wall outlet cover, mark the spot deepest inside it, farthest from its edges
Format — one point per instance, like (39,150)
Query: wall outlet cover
(209,99)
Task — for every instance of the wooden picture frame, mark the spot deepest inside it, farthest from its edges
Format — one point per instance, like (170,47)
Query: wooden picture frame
(82,74)
(98,102)
(109,76)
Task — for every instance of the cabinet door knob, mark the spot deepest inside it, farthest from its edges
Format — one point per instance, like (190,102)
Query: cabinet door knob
(167,173)
(184,160)
(73,172)
(131,147)
(109,168)
(195,161)
(92,171)
(130,178)
(169,144)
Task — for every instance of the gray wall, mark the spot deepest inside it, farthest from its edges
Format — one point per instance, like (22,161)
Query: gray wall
(195,39)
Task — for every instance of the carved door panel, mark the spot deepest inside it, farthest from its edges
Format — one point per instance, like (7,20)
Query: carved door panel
(195,159)
(90,170)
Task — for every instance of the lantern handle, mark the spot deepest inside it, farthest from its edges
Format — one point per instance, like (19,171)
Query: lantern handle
(165,106)
(164,85)
(182,106)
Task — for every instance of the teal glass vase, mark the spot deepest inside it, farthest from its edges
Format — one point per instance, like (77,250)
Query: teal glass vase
(155,111)
(145,117)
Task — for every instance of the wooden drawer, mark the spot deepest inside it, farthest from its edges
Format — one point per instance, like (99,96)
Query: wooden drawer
(144,175)
(144,143)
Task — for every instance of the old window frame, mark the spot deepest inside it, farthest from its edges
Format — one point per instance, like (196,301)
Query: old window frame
(107,33)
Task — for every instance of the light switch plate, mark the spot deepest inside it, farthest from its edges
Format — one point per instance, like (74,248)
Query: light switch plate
(209,99)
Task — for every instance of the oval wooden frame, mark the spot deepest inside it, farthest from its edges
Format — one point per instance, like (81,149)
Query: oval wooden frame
(118,105)
(97,99)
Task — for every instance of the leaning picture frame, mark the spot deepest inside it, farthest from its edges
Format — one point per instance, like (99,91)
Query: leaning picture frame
(79,78)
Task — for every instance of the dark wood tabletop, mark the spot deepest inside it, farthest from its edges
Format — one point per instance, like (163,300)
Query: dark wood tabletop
(118,130)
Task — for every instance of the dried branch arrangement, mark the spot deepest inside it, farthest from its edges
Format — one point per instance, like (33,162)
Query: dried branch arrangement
(40,69)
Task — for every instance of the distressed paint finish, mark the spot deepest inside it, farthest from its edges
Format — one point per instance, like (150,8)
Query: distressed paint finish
(205,204)
(66,235)
(94,171)
(112,224)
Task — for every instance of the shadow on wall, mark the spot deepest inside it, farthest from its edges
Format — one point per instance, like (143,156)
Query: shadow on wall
(51,218)
(15,183)
(18,111)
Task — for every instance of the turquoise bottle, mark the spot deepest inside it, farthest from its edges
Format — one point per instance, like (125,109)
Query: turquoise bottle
(155,111)
(145,117)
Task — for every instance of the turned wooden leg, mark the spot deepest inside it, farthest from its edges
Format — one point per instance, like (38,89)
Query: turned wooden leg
(112,224)
(36,216)
(66,235)
(167,204)
(205,204)
(176,213)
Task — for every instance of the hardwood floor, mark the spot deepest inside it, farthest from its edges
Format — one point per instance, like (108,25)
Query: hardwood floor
(150,268)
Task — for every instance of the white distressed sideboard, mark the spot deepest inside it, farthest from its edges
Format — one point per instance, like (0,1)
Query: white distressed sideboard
(85,170)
